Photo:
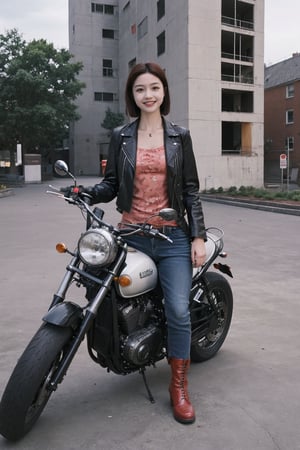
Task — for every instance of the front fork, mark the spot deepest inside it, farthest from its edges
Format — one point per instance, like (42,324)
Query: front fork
(60,295)
(90,312)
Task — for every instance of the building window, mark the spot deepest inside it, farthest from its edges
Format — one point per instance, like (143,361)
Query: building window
(237,46)
(102,8)
(97,8)
(237,138)
(290,91)
(104,96)
(161,43)
(238,14)
(160,9)
(289,143)
(142,28)
(237,101)
(108,34)
(289,116)
(237,73)
(107,68)
(109,9)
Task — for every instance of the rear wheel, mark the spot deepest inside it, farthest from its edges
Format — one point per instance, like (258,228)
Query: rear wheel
(27,391)
(210,323)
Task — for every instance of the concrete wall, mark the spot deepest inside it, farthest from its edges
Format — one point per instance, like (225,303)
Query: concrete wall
(87,46)
(205,111)
(175,58)
(192,61)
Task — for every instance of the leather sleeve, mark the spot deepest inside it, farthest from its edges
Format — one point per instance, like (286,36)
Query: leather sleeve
(190,189)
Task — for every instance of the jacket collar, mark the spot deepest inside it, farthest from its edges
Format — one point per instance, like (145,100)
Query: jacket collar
(170,128)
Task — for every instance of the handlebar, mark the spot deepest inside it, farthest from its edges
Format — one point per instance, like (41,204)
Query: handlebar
(83,202)
(146,229)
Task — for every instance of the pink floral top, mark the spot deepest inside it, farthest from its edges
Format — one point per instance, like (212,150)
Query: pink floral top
(150,188)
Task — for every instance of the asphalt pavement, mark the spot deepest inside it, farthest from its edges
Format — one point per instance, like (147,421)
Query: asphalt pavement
(245,398)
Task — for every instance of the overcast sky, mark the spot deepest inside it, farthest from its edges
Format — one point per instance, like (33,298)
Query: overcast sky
(48,19)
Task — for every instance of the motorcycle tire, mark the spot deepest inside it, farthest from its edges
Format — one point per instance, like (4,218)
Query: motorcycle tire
(220,293)
(26,393)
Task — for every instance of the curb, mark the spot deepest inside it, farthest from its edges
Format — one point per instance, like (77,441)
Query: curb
(274,207)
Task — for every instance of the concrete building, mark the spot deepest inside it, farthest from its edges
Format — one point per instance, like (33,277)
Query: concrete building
(212,52)
(282,119)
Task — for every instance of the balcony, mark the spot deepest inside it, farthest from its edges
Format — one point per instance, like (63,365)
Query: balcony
(237,57)
(237,73)
(238,23)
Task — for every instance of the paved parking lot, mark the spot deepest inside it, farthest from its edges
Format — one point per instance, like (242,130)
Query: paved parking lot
(246,398)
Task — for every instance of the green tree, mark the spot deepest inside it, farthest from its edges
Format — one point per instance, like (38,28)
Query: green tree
(38,87)
(112,120)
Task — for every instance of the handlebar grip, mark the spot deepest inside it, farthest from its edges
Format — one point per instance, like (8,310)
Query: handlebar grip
(155,233)
(87,198)
(166,238)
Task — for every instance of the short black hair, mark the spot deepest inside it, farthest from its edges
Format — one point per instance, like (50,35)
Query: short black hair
(136,71)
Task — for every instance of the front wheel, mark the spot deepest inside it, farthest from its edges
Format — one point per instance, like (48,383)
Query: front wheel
(211,314)
(27,391)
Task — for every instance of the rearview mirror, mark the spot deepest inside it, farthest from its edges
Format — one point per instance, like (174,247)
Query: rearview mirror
(168,214)
(61,168)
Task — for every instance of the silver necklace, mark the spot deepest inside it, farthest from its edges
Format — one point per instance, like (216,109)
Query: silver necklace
(151,132)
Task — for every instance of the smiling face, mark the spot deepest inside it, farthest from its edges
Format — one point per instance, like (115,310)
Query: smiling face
(148,93)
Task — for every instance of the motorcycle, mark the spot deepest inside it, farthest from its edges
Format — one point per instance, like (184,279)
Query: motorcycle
(123,321)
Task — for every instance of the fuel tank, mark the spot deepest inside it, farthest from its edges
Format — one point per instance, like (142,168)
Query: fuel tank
(142,272)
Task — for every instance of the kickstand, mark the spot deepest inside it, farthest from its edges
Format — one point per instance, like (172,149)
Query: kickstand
(151,398)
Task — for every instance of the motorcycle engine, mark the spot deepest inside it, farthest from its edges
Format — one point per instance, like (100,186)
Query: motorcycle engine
(141,331)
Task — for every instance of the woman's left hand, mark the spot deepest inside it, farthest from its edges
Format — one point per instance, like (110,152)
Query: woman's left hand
(198,252)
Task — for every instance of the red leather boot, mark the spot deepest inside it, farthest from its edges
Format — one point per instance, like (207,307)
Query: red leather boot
(182,409)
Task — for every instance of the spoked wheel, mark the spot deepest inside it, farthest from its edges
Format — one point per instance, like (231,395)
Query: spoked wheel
(27,391)
(210,323)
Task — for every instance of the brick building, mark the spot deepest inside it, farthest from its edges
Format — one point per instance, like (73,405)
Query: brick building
(282,118)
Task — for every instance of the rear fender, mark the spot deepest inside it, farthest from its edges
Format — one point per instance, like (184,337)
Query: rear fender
(65,314)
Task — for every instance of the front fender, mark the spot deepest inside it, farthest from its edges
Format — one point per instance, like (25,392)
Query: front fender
(65,314)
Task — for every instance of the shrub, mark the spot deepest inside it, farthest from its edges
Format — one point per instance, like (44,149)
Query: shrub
(259,193)
(268,195)
(294,195)
(232,190)
(280,195)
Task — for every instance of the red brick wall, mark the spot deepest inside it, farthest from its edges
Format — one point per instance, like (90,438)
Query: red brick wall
(275,128)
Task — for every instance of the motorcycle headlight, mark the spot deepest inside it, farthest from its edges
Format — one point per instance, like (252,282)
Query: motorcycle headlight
(97,247)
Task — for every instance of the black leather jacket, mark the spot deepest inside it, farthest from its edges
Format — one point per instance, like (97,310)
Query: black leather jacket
(182,177)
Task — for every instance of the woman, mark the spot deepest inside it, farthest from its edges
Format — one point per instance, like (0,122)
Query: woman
(151,166)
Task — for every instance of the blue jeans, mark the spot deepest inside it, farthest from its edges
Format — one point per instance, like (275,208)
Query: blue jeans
(175,273)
